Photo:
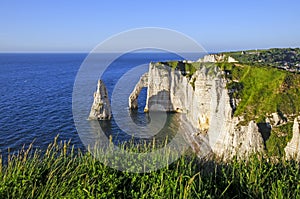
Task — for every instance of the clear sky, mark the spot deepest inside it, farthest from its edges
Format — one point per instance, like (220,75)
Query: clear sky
(77,25)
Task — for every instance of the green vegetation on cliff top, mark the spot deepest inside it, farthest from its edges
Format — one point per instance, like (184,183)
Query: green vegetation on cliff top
(287,58)
(186,69)
(263,90)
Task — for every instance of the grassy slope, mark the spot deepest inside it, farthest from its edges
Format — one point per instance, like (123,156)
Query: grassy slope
(60,173)
(275,90)
(261,88)
(266,90)
(278,139)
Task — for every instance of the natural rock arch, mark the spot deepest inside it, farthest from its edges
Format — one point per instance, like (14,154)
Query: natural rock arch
(133,98)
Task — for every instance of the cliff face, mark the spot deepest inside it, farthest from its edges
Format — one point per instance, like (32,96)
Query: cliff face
(292,150)
(100,109)
(212,58)
(204,99)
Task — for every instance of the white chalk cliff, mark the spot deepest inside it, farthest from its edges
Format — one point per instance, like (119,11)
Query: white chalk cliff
(204,99)
(292,150)
(101,109)
(213,58)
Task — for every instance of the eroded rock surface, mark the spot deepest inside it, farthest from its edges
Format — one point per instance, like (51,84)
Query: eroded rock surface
(101,109)
(204,99)
(292,150)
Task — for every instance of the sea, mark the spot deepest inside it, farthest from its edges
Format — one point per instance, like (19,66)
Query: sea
(36,92)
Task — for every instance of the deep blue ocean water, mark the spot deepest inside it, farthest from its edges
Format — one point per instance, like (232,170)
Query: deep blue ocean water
(36,96)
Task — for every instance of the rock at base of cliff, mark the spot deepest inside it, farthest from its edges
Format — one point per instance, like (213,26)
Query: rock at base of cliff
(239,143)
(278,119)
(101,109)
(292,149)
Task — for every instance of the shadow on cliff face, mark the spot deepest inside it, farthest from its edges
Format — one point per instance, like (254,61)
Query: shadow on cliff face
(160,102)
(265,130)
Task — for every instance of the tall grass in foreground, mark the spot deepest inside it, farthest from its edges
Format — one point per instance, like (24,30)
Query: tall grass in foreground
(61,172)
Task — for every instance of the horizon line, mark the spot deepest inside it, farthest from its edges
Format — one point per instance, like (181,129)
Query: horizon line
(87,52)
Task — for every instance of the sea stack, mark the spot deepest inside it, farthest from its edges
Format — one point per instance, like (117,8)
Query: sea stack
(101,109)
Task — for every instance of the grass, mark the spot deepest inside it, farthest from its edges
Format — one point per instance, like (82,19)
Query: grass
(186,69)
(189,69)
(260,86)
(60,172)
(275,57)
(263,90)
(279,138)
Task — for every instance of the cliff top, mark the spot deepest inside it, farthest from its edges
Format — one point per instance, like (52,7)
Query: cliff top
(256,78)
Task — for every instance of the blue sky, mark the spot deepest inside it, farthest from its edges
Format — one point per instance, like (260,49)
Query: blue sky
(59,25)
